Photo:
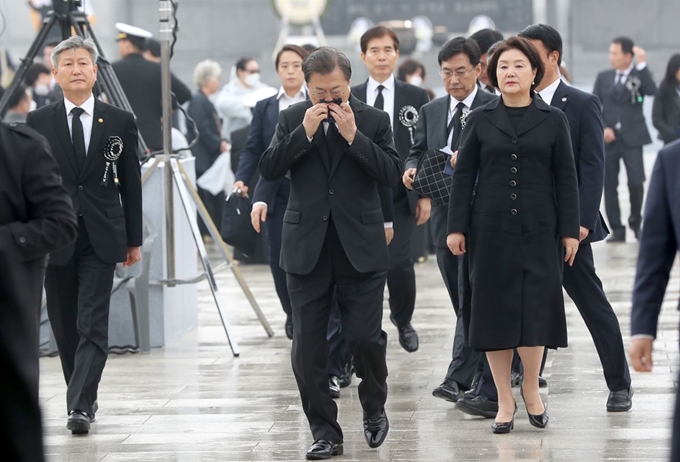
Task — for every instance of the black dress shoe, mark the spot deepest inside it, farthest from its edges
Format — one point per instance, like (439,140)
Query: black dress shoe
(289,327)
(537,420)
(78,422)
(517,379)
(448,390)
(408,337)
(324,449)
(334,387)
(618,236)
(620,401)
(478,405)
(504,427)
(375,428)
(345,379)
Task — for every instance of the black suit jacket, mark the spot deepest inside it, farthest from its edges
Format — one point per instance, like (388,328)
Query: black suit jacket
(621,106)
(141,82)
(666,114)
(112,214)
(345,190)
(659,241)
(36,217)
(209,127)
(432,133)
(404,95)
(584,114)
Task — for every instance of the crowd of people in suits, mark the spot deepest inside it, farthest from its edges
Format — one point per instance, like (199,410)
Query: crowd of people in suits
(340,197)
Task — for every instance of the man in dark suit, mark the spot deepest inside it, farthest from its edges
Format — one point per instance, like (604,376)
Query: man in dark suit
(36,217)
(621,90)
(580,280)
(270,198)
(337,151)
(659,245)
(380,52)
(107,197)
(439,126)
(141,82)
(486,38)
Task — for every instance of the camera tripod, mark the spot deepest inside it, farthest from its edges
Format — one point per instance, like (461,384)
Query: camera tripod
(69,19)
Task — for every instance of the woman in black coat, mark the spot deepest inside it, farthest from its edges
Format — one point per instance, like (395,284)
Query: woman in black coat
(666,108)
(210,142)
(521,225)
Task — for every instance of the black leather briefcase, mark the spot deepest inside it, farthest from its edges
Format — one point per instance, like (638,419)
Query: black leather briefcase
(237,229)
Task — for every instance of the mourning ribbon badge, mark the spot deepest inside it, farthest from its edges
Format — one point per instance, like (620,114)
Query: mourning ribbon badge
(408,116)
(633,84)
(112,152)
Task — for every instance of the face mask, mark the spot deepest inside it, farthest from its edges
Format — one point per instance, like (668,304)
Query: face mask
(41,89)
(252,79)
(337,101)
(416,80)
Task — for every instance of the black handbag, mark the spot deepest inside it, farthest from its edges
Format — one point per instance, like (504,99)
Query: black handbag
(236,229)
(430,179)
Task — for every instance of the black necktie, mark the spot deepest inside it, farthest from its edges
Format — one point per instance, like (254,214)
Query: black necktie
(78,136)
(456,125)
(380,99)
(619,79)
(332,135)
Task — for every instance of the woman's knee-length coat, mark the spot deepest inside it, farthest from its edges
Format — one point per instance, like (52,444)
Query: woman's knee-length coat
(525,200)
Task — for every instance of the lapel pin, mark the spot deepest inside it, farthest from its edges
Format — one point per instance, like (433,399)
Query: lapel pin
(101,121)
(563,100)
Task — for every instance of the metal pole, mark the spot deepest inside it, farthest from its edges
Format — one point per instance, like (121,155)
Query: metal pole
(165,11)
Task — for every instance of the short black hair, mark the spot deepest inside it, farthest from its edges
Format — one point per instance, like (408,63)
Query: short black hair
(325,60)
(295,49)
(525,47)
(20,94)
(460,45)
(153,46)
(34,71)
(409,67)
(378,32)
(485,38)
(241,63)
(626,44)
(547,35)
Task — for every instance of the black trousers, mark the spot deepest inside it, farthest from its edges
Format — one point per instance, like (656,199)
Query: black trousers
(78,296)
(20,421)
(635,170)
(360,298)
(465,361)
(214,205)
(339,355)
(401,277)
(274,228)
(675,441)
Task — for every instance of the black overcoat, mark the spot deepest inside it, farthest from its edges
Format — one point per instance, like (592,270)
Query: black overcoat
(526,199)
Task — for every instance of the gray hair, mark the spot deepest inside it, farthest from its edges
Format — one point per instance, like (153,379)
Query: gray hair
(325,60)
(206,70)
(73,43)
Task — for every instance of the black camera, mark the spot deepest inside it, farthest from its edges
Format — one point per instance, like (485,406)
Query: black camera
(63,7)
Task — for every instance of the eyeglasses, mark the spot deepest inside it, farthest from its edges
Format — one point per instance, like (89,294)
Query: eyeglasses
(447,74)
(251,71)
(335,94)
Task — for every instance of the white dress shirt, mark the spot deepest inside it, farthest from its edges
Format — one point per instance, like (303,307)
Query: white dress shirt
(548,92)
(86,118)
(388,95)
(452,108)
(624,74)
(286,101)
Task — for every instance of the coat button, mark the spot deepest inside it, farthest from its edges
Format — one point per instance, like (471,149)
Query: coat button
(513,170)
(513,183)
(80,188)
(331,192)
(513,156)
(513,141)
(22,240)
(325,218)
(513,212)
(513,196)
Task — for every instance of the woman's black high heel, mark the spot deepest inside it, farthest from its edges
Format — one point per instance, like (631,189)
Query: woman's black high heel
(537,420)
(504,427)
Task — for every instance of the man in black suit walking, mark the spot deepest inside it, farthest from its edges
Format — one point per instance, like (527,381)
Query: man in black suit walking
(337,152)
(580,280)
(380,52)
(659,245)
(439,126)
(36,217)
(96,147)
(621,90)
(141,82)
